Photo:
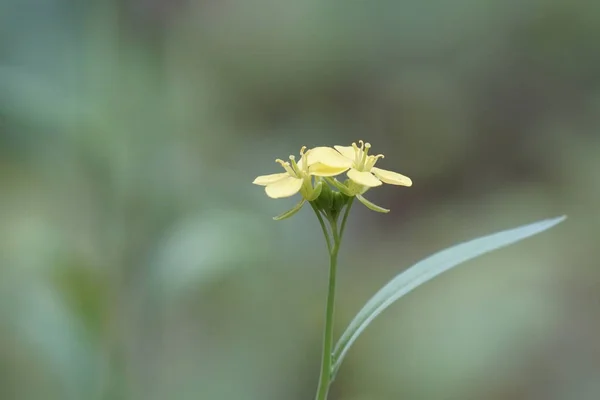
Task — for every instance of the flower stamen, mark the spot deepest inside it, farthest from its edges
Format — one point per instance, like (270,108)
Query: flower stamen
(287,167)
(371,160)
(304,158)
(295,167)
(365,152)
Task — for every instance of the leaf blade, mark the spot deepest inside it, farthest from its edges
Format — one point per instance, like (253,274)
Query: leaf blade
(427,269)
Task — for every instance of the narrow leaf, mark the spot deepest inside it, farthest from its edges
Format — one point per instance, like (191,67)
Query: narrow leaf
(426,270)
(371,206)
(290,212)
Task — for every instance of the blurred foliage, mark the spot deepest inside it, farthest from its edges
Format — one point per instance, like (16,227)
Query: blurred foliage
(138,262)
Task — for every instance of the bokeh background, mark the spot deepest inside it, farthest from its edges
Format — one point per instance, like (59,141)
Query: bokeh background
(139,262)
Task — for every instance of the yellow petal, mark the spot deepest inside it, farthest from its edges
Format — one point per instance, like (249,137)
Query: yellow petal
(265,180)
(347,151)
(364,178)
(285,187)
(329,157)
(319,169)
(392,178)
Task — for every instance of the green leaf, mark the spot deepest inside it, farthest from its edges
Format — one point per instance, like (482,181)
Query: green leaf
(426,270)
(371,206)
(290,212)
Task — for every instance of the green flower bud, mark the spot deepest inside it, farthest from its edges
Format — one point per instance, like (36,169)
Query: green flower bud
(340,200)
(325,200)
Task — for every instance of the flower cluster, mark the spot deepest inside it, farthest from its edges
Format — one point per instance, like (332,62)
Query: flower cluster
(321,165)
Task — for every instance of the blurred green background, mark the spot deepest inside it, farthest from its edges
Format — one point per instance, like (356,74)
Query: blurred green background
(139,262)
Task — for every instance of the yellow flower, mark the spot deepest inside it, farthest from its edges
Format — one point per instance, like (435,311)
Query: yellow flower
(296,178)
(360,165)
(361,169)
(287,183)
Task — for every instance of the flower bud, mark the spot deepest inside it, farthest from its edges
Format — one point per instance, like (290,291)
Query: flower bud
(325,200)
(339,201)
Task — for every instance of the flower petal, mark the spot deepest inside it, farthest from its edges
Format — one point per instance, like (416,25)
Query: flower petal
(346,151)
(265,180)
(392,178)
(364,178)
(319,169)
(329,157)
(285,187)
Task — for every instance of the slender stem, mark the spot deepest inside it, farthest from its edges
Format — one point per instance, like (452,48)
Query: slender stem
(342,227)
(324,378)
(345,217)
(323,227)
(327,357)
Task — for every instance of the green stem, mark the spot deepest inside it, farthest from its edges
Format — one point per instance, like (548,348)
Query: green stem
(324,378)
(327,357)
(323,227)
(345,217)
